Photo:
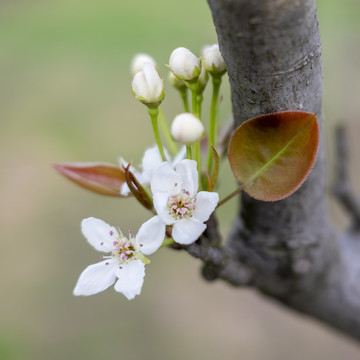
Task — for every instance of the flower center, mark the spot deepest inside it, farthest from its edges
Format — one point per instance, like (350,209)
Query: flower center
(123,249)
(181,205)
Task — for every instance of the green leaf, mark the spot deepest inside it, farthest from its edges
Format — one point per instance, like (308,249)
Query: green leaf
(272,155)
(101,178)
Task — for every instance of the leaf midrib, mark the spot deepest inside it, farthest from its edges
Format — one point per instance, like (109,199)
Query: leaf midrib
(269,163)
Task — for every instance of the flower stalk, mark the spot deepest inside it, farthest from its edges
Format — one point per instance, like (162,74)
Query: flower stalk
(213,126)
(154,112)
(166,132)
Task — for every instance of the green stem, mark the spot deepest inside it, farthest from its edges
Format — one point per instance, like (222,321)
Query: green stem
(195,110)
(199,100)
(184,98)
(166,132)
(197,158)
(188,152)
(154,112)
(230,196)
(194,101)
(213,127)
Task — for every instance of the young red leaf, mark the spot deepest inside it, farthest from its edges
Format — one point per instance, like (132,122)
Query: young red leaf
(101,178)
(273,154)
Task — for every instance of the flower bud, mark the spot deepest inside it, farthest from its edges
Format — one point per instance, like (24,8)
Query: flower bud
(176,82)
(139,60)
(147,86)
(187,129)
(212,60)
(202,80)
(184,64)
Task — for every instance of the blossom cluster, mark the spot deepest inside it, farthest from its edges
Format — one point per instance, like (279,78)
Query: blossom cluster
(172,183)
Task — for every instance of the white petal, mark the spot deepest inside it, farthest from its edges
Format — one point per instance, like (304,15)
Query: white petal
(153,80)
(189,174)
(151,160)
(151,235)
(205,204)
(179,156)
(165,179)
(160,204)
(186,231)
(131,278)
(96,278)
(139,60)
(99,234)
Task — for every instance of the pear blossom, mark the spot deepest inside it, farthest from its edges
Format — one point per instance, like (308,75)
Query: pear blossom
(150,161)
(139,60)
(147,86)
(187,129)
(178,203)
(184,64)
(212,60)
(126,265)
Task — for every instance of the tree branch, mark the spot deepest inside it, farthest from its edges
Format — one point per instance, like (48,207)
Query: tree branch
(273,55)
(342,189)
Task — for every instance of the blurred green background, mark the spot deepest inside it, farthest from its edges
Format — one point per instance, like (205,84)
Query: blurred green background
(65,97)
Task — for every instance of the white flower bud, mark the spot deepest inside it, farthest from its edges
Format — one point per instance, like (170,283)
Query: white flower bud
(212,60)
(202,80)
(139,60)
(184,64)
(147,86)
(187,129)
(176,82)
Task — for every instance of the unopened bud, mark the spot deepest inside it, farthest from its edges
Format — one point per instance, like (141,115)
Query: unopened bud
(187,129)
(139,60)
(202,80)
(212,60)
(147,86)
(184,64)
(176,82)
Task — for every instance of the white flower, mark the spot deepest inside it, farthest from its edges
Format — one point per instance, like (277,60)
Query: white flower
(184,64)
(212,60)
(150,161)
(127,260)
(187,129)
(139,60)
(147,85)
(178,203)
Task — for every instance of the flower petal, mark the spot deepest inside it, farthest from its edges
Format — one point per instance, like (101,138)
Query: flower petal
(161,200)
(189,175)
(179,156)
(165,179)
(205,204)
(151,160)
(131,278)
(99,234)
(96,278)
(151,235)
(186,231)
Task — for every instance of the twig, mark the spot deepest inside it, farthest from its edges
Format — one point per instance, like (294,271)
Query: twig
(341,188)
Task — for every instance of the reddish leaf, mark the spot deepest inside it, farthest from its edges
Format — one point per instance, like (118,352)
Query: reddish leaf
(273,154)
(101,178)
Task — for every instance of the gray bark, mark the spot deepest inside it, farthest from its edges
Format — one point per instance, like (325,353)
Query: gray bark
(273,55)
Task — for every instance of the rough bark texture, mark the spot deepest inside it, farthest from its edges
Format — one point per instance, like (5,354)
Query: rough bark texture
(273,55)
